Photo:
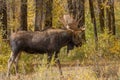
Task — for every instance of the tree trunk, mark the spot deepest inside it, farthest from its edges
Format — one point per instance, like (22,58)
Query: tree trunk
(101,15)
(13,11)
(23,15)
(3,19)
(48,15)
(94,22)
(80,12)
(108,15)
(70,6)
(38,15)
(81,15)
(113,17)
(77,9)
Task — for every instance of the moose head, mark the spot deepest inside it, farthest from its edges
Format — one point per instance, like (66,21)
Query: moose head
(72,25)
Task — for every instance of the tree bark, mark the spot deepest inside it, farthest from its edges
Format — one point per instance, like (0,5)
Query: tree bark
(23,15)
(3,14)
(81,15)
(94,22)
(72,9)
(101,15)
(77,9)
(108,15)
(70,6)
(38,15)
(48,15)
(113,17)
(13,9)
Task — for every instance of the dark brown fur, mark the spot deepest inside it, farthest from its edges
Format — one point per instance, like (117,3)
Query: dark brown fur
(48,41)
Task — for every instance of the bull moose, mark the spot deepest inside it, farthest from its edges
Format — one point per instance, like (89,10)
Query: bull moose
(49,41)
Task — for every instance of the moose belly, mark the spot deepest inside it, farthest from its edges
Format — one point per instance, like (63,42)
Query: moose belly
(34,50)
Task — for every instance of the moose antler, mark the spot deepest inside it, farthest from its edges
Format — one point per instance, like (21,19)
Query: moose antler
(66,20)
(70,23)
(61,19)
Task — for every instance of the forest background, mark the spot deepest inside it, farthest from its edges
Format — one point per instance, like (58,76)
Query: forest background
(101,19)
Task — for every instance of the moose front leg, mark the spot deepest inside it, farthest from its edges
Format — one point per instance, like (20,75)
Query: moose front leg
(58,63)
(49,59)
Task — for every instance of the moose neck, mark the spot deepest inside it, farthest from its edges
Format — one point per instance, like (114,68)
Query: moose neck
(65,38)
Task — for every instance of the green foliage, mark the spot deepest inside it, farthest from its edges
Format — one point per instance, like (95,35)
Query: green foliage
(31,14)
(58,10)
(4,50)
(109,46)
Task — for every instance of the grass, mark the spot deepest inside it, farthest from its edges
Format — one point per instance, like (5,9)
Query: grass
(105,71)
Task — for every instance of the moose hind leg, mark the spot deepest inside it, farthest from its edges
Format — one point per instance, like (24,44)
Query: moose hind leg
(16,63)
(10,61)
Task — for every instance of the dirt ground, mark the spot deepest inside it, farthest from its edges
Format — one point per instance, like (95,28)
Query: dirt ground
(76,72)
